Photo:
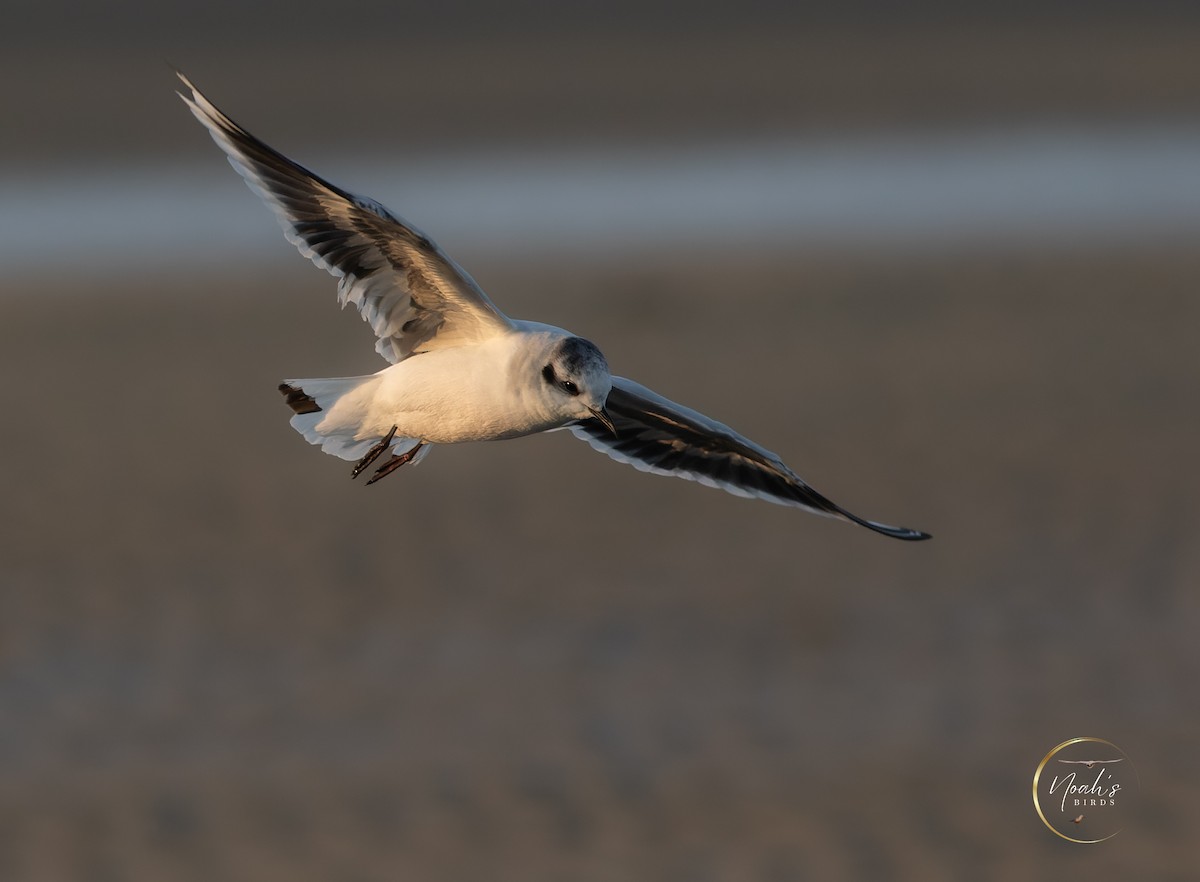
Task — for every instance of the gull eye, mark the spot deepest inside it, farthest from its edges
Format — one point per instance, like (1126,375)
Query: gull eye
(552,378)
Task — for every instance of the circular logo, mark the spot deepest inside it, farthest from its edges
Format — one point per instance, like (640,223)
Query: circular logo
(1084,789)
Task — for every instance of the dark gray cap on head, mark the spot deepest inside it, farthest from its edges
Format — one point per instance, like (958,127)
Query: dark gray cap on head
(576,355)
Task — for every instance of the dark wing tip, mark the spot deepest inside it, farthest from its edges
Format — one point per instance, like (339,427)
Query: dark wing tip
(887,530)
(814,500)
(901,533)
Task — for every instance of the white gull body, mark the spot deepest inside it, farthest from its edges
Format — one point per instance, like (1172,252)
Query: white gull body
(465,393)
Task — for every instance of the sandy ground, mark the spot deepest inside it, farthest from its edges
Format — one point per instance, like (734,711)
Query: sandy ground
(221,659)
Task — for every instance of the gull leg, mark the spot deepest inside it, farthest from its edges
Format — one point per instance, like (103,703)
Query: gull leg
(397,460)
(373,454)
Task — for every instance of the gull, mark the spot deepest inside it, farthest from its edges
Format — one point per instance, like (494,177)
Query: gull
(460,370)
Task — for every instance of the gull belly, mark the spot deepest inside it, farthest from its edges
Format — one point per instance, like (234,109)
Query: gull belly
(447,396)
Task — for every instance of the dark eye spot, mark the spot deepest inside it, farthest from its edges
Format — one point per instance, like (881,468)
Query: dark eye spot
(552,378)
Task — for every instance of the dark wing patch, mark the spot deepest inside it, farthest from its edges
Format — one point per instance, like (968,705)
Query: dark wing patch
(665,438)
(405,287)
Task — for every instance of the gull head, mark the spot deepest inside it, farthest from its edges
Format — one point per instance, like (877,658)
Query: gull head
(577,380)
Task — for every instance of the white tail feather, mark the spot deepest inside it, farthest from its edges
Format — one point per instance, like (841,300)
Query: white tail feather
(330,416)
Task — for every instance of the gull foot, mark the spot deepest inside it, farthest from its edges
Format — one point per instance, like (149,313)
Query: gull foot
(394,463)
(373,454)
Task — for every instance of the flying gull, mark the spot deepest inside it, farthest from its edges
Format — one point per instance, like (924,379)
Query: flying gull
(461,370)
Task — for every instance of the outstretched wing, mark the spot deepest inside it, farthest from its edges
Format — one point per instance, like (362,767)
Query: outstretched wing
(665,438)
(411,293)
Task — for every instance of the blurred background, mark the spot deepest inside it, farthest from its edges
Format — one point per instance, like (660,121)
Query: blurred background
(941,258)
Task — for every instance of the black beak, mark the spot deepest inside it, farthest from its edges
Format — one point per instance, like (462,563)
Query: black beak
(602,415)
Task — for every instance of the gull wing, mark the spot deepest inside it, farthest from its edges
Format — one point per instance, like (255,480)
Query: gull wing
(411,293)
(659,436)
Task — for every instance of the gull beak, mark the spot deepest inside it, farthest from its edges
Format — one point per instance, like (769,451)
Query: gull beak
(602,415)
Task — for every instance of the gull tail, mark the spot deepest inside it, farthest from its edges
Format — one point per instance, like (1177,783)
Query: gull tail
(330,413)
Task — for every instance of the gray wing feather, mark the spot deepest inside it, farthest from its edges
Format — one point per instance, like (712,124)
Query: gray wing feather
(411,293)
(664,438)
